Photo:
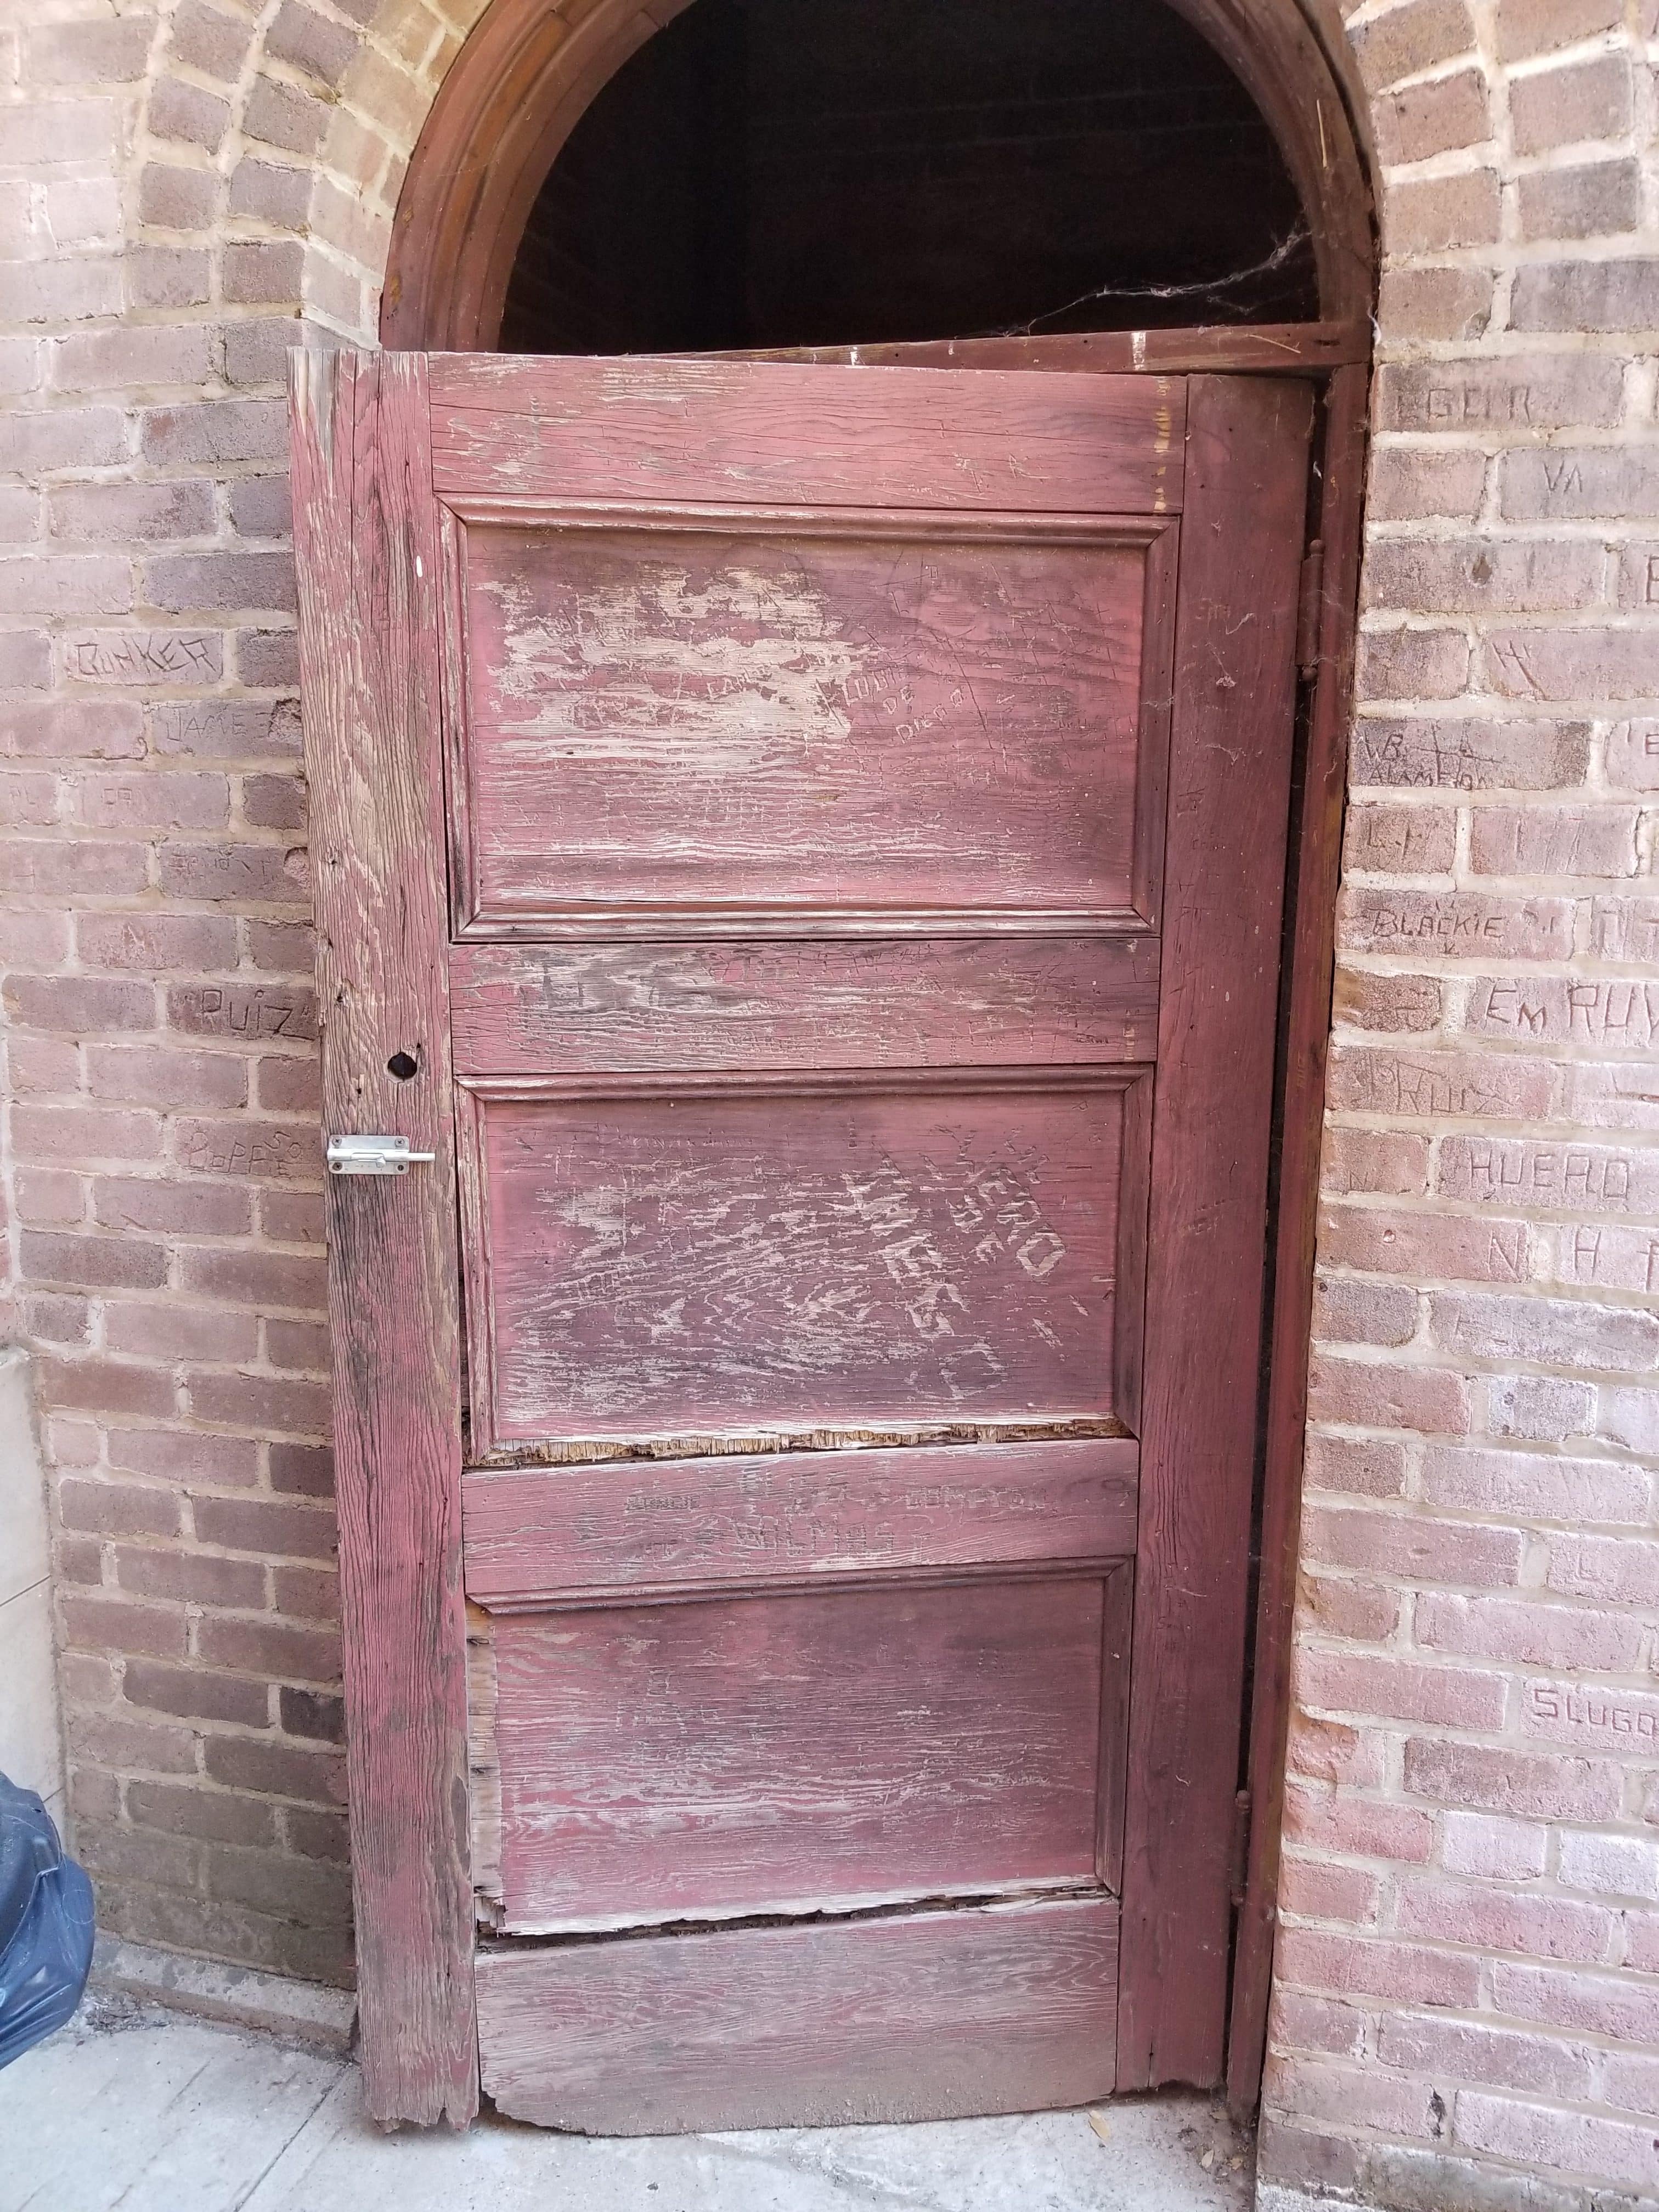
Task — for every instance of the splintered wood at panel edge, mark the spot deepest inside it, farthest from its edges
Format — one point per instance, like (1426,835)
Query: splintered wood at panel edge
(720,1445)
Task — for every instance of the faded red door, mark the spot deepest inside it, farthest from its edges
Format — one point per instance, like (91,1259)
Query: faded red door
(801,848)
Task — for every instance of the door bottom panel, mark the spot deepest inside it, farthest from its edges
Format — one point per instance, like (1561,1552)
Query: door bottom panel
(911,2016)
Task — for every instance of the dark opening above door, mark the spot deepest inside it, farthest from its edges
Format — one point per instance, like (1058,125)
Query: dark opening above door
(767,172)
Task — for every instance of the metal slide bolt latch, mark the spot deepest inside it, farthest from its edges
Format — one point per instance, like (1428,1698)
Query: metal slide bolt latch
(371,1155)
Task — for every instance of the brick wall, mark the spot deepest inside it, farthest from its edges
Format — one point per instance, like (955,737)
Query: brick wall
(1469,1966)
(174,190)
(1469,1973)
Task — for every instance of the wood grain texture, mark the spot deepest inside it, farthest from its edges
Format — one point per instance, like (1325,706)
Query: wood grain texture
(628,1528)
(759,1256)
(803,1752)
(774,721)
(1230,756)
(1225,350)
(911,2016)
(365,528)
(726,433)
(1316,868)
(517,1010)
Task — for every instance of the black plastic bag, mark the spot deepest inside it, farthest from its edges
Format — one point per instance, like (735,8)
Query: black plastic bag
(45,1924)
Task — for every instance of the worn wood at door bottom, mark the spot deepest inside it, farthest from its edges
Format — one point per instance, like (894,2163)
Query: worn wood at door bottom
(921,2015)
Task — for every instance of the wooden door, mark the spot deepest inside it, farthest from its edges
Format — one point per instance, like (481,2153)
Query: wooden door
(802,849)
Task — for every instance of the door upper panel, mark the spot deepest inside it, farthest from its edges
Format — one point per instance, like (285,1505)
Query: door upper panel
(888,719)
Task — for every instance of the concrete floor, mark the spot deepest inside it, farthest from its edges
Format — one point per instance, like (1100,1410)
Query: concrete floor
(138,2110)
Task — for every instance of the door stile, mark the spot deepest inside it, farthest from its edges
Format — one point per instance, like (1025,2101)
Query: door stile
(367,538)
(1229,796)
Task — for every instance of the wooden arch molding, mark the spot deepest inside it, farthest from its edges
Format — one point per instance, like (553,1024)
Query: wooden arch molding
(513,96)
(525,76)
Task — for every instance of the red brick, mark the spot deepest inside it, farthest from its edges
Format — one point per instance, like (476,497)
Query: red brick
(1337,1606)
(262,1402)
(1406,662)
(1350,1966)
(259,1278)
(92,1262)
(1365,1393)
(191,1209)
(272,1528)
(270,1649)
(1554,1332)
(272,1882)
(232,874)
(1362,1468)
(1518,394)
(307,1593)
(1358,2097)
(1555,840)
(1369,1001)
(277,1771)
(1464,2051)
(1582,100)
(1432,214)
(189,1577)
(1299,2022)
(198,1693)
(1536,1486)
(1349,1309)
(1372,1685)
(1445,1911)
(302,1470)
(120,1741)
(107,1623)
(185,1456)
(156,1076)
(118,1508)
(83,1135)
(73,1005)
(96,1385)
(1412,1545)
(1432,118)
(315,1835)
(170,1331)
(1386,1161)
(210,1816)
(1530,1631)
(1406,39)
(1578,2142)
(1511,1780)
(170,945)
(1424,1246)
(298,1347)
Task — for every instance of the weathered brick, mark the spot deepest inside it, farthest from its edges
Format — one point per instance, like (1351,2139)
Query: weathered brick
(1414,1546)
(1416,36)
(1599,200)
(1410,662)
(1432,116)
(1510,1780)
(1501,399)
(1574,102)
(210,40)
(197,1693)
(1434,214)
(1618,295)
(184,111)
(1526,28)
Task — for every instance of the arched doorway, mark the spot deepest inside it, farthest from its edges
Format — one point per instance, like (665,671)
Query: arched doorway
(1150,149)
(518,222)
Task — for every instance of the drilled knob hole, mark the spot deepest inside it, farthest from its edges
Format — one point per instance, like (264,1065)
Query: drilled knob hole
(403,1065)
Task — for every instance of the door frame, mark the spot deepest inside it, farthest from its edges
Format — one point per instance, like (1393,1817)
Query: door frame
(515,91)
